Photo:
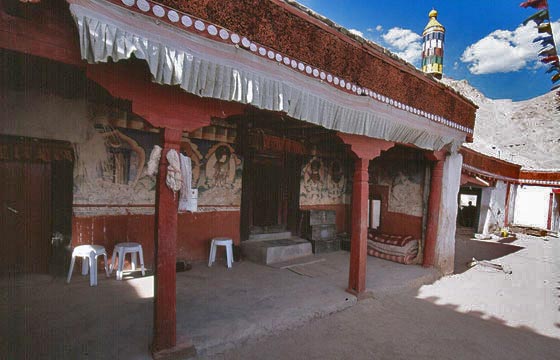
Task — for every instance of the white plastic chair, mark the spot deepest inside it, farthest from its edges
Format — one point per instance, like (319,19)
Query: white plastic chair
(221,241)
(120,251)
(89,255)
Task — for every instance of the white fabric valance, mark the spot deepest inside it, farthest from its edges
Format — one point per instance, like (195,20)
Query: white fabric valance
(208,68)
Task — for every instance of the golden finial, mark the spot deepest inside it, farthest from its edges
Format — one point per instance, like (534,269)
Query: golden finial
(433,23)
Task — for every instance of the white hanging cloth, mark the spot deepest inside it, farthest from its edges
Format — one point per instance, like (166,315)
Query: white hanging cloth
(188,198)
(153,163)
(174,179)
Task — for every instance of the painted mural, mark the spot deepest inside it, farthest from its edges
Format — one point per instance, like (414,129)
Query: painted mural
(324,182)
(406,185)
(110,168)
(217,173)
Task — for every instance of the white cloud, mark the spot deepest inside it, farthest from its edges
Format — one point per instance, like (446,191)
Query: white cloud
(404,43)
(505,50)
(356,32)
(379,28)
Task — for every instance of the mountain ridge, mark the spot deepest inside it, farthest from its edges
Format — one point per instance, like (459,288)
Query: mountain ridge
(525,132)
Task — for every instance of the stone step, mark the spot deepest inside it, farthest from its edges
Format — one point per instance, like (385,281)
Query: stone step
(276,250)
(267,229)
(270,236)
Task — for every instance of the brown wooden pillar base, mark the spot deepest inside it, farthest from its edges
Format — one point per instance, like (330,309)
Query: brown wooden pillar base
(183,349)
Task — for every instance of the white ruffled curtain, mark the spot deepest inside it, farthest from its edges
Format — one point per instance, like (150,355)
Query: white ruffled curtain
(209,75)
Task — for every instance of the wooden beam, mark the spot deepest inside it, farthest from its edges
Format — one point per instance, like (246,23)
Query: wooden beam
(49,37)
(160,105)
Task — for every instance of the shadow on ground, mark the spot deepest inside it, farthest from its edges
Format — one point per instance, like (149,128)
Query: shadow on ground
(476,314)
(466,249)
(402,327)
(45,318)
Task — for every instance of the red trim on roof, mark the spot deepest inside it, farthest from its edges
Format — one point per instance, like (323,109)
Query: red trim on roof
(490,165)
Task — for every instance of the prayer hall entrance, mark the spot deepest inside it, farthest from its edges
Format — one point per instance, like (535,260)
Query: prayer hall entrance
(272,188)
(36,205)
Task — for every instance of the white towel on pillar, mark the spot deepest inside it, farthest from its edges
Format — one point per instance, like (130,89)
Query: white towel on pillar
(153,163)
(187,202)
(174,179)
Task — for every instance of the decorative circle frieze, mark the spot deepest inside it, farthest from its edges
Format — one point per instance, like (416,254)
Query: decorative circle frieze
(224,34)
(235,38)
(158,11)
(186,20)
(199,25)
(173,16)
(212,30)
(143,5)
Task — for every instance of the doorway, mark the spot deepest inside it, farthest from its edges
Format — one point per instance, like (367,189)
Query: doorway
(267,200)
(26,217)
(469,207)
(35,203)
(271,185)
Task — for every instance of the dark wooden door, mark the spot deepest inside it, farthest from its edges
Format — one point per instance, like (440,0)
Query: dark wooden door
(267,194)
(25,224)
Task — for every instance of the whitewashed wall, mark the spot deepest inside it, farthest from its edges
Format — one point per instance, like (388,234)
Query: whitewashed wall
(445,245)
(531,206)
(494,217)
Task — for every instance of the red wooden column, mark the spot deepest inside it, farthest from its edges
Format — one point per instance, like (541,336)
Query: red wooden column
(358,249)
(434,202)
(165,326)
(506,211)
(365,150)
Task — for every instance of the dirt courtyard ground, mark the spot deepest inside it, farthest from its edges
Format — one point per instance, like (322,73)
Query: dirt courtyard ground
(478,313)
(243,312)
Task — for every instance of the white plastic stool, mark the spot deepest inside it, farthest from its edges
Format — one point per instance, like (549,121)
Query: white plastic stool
(221,241)
(120,250)
(89,255)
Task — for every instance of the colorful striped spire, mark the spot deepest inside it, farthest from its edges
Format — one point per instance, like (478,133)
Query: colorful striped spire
(432,46)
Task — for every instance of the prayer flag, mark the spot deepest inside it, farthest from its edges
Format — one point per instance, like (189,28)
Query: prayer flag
(536,4)
(549,59)
(537,17)
(548,51)
(545,28)
(545,40)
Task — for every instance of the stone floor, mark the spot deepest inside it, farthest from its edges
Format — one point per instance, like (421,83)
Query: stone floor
(218,308)
(477,313)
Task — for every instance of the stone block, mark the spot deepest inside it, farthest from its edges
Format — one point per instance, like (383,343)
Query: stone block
(325,246)
(273,251)
(322,232)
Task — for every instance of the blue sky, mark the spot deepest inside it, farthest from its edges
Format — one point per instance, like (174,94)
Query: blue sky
(485,43)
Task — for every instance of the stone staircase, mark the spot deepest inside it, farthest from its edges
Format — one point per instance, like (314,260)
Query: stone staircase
(275,247)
